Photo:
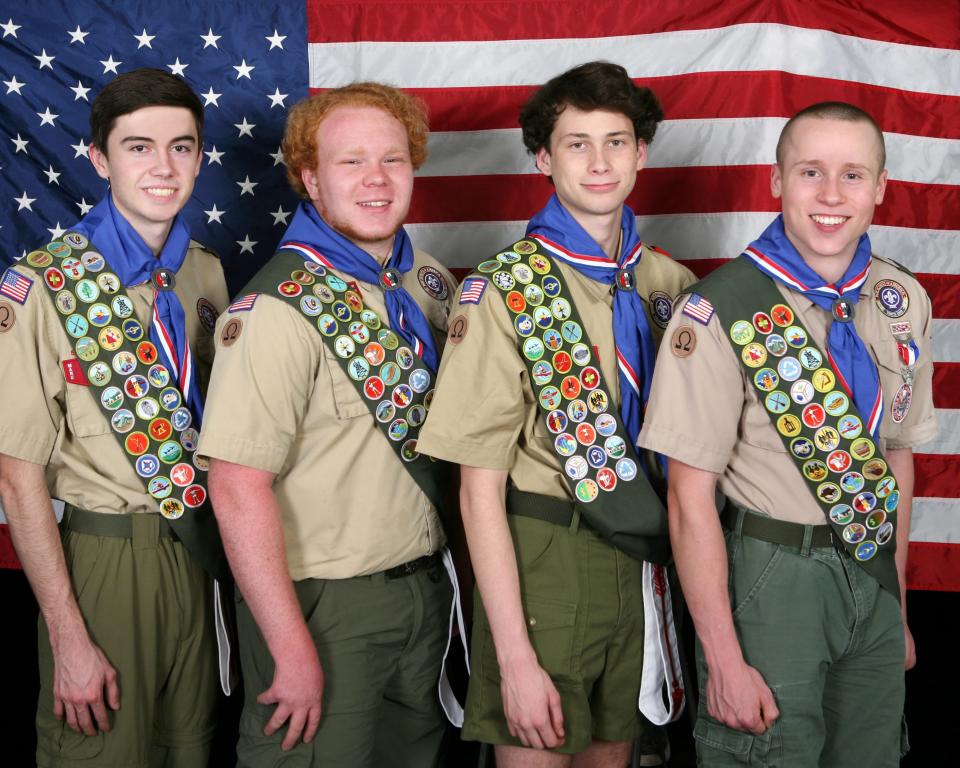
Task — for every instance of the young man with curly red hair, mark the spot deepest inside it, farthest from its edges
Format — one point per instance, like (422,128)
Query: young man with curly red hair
(324,371)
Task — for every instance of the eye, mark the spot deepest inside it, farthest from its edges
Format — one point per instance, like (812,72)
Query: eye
(810,173)
(138,148)
(853,176)
(182,149)
(617,143)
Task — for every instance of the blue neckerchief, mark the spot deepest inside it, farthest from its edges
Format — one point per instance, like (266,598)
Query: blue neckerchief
(133,261)
(631,331)
(773,254)
(405,315)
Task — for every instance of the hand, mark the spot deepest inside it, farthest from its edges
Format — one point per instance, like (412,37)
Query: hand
(296,689)
(910,655)
(739,698)
(80,674)
(531,705)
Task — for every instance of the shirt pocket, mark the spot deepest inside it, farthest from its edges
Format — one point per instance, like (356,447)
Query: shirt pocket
(84,416)
(346,397)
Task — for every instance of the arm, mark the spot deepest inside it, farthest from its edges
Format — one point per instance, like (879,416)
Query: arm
(900,461)
(737,695)
(249,520)
(531,703)
(81,672)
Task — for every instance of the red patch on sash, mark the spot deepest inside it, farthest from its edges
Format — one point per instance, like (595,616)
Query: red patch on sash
(73,372)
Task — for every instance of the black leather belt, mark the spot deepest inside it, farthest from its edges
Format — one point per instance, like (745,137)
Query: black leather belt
(775,531)
(410,568)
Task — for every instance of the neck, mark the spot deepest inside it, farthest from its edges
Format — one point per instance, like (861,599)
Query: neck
(605,230)
(381,251)
(155,237)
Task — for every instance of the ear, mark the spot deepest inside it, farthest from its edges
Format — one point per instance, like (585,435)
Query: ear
(309,178)
(641,154)
(543,161)
(776,180)
(196,171)
(881,188)
(99,161)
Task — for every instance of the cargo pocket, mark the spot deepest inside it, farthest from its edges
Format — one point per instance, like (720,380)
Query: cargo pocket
(551,626)
(719,745)
(77,746)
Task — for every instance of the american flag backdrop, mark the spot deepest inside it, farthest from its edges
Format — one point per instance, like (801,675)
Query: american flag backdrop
(728,74)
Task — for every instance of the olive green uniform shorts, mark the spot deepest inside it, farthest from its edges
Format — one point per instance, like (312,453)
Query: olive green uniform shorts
(583,603)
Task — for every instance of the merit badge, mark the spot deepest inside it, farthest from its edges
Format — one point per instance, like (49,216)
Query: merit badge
(782,315)
(182,475)
(576,467)
(124,363)
(533,295)
(522,273)
(147,408)
(374,353)
(51,276)
(626,469)
(587,490)
(874,469)
(524,247)
(766,379)
(148,465)
(324,293)
(813,415)
(314,268)
(606,479)
(327,325)
(754,355)
(885,487)
(208,314)
(39,259)
(789,369)
(863,448)
(385,411)
(741,332)
(170,399)
(408,451)
(556,422)
(827,439)
(615,447)
(810,358)
(76,240)
(776,345)
(390,373)
(289,288)
(596,457)
(66,302)
(597,401)
(503,280)
(891,502)
(159,487)
(901,403)
(836,403)
(398,429)
(60,250)
(854,533)
(571,331)
(122,307)
(542,317)
(590,377)
(796,337)
(353,298)
(111,398)
(181,418)
(342,310)
(824,380)
(788,425)
(550,398)
(136,443)
(110,338)
(515,301)
(777,402)
(550,285)
(404,358)
(488,266)
(850,427)
(358,368)
(852,482)
(841,514)
(99,315)
(762,322)
(814,470)
(194,495)
(524,324)
(310,306)
(509,257)
(839,461)
(532,348)
(606,424)
(77,326)
(884,533)
(541,372)
(801,392)
(93,261)
(87,290)
(231,331)
(539,263)
(373,388)
(303,277)
(891,298)
(586,434)
(371,318)
(335,283)
(109,283)
(661,308)
(7,316)
(828,492)
(72,268)
(801,447)
(472,290)
(865,550)
(698,308)
(577,410)
(562,362)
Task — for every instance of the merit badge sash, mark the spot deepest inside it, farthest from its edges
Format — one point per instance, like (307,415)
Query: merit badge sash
(393,382)
(813,413)
(600,464)
(134,390)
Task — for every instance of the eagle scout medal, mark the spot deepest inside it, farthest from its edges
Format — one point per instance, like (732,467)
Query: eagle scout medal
(817,420)
(130,387)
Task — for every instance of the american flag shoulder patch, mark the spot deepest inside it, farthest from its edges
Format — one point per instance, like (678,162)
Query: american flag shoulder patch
(698,308)
(244,303)
(15,286)
(472,290)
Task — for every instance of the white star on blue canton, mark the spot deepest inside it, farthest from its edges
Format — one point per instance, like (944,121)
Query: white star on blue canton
(276,41)
(144,39)
(25,202)
(78,36)
(110,65)
(14,85)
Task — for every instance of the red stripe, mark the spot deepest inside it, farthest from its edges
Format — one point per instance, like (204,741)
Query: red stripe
(8,556)
(630,373)
(944,292)
(927,24)
(600,261)
(934,566)
(946,385)
(936,475)
(664,191)
(709,95)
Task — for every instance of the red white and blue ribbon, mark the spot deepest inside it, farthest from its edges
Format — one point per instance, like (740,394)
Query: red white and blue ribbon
(134,262)
(773,254)
(560,234)
(310,235)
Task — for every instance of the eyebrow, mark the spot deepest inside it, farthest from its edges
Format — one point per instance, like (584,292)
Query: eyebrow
(575,135)
(147,139)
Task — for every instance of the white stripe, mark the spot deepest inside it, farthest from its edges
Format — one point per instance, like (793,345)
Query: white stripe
(628,376)
(946,341)
(688,236)
(947,440)
(686,144)
(741,47)
(935,520)
(162,338)
(575,259)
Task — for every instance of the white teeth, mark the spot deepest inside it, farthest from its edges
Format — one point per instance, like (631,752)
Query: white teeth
(828,221)
(160,191)
(375,204)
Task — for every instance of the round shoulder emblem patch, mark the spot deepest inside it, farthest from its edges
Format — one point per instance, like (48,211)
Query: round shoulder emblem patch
(661,308)
(7,316)
(433,283)
(458,329)
(891,298)
(208,314)
(231,332)
(684,341)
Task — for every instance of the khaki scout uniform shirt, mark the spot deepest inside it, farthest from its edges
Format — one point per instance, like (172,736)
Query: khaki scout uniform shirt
(703,411)
(484,413)
(49,421)
(281,402)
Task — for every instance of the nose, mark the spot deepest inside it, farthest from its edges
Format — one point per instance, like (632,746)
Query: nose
(375,176)
(162,166)
(830,189)
(599,163)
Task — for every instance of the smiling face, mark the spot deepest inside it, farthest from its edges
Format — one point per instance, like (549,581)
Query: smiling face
(151,159)
(363,180)
(593,159)
(829,181)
